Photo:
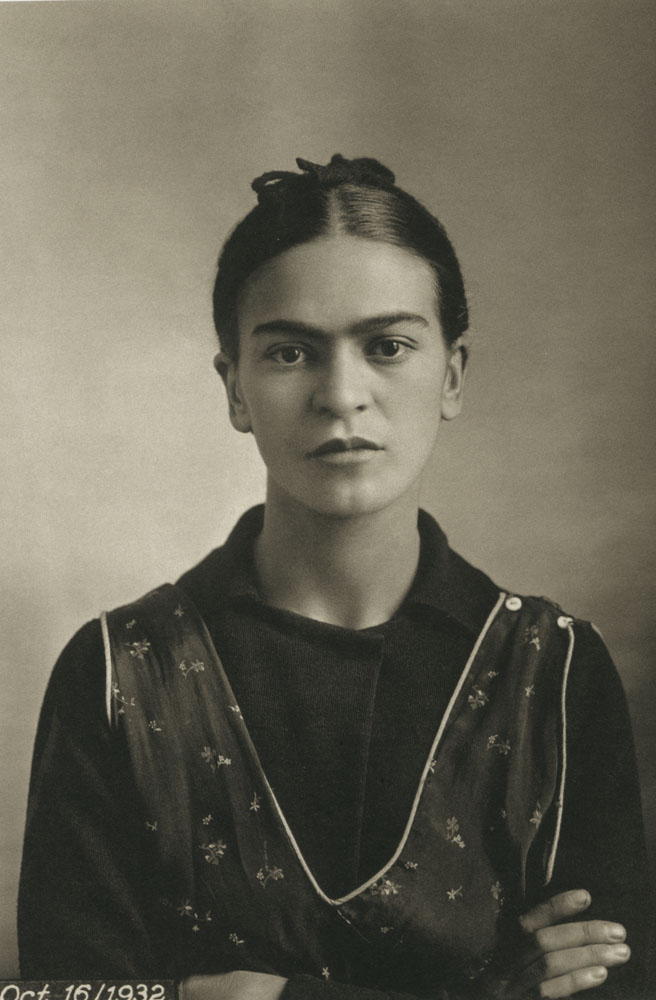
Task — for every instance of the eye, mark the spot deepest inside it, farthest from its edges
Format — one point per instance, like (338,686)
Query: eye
(390,349)
(288,355)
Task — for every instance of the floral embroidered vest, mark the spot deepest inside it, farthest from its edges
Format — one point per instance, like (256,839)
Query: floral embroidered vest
(231,887)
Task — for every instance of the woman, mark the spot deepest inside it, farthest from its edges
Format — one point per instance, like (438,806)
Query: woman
(334,759)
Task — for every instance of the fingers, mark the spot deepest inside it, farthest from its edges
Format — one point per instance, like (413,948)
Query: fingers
(559,963)
(573,982)
(574,969)
(561,907)
(577,935)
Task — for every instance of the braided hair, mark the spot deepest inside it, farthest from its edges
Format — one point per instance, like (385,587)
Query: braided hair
(356,197)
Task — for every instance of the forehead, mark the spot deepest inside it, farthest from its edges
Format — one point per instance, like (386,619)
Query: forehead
(336,281)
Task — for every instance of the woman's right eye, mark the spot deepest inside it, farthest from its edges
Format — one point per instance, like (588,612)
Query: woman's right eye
(288,355)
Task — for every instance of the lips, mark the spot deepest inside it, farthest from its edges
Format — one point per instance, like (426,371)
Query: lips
(337,445)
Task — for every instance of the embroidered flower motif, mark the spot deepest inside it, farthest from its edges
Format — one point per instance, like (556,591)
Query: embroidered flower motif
(131,623)
(411,866)
(536,818)
(214,758)
(153,725)
(139,648)
(497,891)
(496,743)
(454,893)
(503,814)
(452,834)
(186,909)
(213,851)
(236,709)
(492,674)
(386,930)
(207,819)
(268,873)
(385,887)
(325,972)
(529,691)
(532,636)
(477,699)
(151,826)
(255,804)
(195,667)
(123,702)
(179,611)
(235,939)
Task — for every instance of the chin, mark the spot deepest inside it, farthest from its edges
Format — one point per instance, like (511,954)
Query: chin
(343,504)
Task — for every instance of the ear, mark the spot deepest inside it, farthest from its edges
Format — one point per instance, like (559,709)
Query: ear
(454,380)
(237,408)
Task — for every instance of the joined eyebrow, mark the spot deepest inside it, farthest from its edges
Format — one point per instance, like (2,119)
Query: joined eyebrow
(372,324)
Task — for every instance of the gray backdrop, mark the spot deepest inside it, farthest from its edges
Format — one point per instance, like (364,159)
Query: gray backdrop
(130,132)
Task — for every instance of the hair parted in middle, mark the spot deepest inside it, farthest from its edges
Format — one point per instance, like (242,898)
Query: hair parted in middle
(355,197)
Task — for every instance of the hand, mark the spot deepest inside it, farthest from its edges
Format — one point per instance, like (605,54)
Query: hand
(232,986)
(556,959)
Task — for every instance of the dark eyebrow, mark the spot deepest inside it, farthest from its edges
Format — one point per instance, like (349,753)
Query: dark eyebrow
(370,325)
(290,326)
(387,320)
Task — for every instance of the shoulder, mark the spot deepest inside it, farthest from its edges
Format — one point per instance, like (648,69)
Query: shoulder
(590,659)
(591,662)
(595,696)
(76,689)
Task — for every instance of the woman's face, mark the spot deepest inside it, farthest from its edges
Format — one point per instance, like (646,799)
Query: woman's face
(343,374)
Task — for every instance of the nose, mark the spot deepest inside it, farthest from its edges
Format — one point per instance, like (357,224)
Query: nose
(342,385)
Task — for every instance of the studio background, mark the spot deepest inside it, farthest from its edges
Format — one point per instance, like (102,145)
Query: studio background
(130,133)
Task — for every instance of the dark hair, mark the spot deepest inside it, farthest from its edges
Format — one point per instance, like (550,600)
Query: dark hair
(357,197)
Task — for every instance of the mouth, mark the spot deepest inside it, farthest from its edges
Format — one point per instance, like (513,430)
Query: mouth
(338,446)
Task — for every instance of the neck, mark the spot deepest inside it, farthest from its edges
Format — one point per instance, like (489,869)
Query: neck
(353,571)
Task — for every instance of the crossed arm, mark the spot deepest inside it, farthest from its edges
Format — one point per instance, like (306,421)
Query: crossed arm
(554,955)
(83,910)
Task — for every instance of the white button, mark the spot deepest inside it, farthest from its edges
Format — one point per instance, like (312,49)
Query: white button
(514,603)
(564,621)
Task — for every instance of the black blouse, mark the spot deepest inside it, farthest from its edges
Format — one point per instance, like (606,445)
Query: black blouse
(342,721)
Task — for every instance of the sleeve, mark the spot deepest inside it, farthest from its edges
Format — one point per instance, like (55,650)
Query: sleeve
(82,906)
(309,988)
(602,844)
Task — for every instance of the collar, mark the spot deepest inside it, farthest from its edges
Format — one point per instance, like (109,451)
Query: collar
(444,581)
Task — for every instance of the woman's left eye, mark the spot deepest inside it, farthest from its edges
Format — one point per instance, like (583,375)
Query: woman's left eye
(390,349)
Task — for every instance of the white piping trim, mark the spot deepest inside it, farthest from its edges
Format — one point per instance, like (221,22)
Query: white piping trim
(108,667)
(406,833)
(563,774)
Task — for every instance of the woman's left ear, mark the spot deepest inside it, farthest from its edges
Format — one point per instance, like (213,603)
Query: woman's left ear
(239,415)
(454,379)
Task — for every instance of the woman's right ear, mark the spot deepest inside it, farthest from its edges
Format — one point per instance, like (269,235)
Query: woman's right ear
(237,408)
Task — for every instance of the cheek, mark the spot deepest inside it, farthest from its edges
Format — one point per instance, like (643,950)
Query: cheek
(276,412)
(420,407)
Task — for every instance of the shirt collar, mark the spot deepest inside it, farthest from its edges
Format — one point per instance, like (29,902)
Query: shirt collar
(447,583)
(444,581)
